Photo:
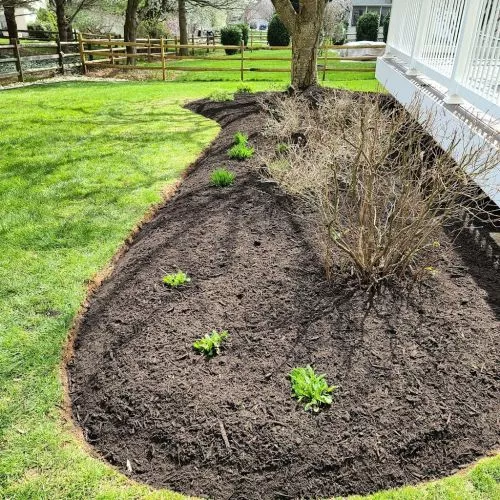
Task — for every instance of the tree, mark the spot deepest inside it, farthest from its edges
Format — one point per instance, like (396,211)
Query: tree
(367,27)
(9,10)
(277,34)
(385,24)
(44,26)
(336,17)
(137,10)
(183,26)
(101,17)
(130,26)
(66,11)
(183,7)
(303,20)
(231,35)
(258,9)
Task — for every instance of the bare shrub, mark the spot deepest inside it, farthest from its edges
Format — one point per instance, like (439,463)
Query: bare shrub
(381,189)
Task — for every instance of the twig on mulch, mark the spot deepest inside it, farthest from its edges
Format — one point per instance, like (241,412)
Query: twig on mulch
(224,435)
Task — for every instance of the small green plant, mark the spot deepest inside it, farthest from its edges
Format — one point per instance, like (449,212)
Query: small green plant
(176,279)
(221,96)
(281,148)
(311,388)
(240,138)
(244,89)
(221,177)
(431,270)
(210,344)
(240,150)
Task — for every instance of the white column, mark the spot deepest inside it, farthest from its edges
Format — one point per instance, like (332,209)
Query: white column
(420,32)
(394,27)
(468,30)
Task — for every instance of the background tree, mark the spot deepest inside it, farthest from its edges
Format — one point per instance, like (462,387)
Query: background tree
(66,11)
(44,26)
(9,10)
(185,5)
(231,35)
(385,24)
(105,16)
(367,27)
(335,19)
(210,18)
(303,20)
(131,24)
(137,10)
(258,9)
(277,34)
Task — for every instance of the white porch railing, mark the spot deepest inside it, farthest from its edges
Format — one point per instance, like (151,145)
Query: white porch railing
(456,43)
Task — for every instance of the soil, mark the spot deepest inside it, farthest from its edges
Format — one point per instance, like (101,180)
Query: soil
(418,376)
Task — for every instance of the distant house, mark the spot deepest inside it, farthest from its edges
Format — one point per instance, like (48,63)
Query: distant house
(359,7)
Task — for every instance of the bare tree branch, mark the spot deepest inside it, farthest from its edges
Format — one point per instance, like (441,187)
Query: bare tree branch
(380,188)
(286,13)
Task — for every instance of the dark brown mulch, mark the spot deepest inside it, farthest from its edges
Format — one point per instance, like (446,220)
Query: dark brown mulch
(418,376)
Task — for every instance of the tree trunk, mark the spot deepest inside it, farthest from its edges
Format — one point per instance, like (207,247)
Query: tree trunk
(303,21)
(130,27)
(305,42)
(183,27)
(10,17)
(69,33)
(62,20)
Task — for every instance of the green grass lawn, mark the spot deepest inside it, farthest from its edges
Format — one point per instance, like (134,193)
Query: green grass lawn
(349,69)
(348,75)
(22,41)
(80,164)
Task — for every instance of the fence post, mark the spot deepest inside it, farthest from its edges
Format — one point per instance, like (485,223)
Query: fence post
(242,50)
(175,43)
(251,40)
(60,54)
(19,67)
(82,53)
(149,48)
(110,48)
(208,44)
(192,42)
(325,50)
(162,52)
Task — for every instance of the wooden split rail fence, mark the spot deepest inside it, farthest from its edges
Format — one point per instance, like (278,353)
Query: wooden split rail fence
(255,39)
(109,53)
(59,53)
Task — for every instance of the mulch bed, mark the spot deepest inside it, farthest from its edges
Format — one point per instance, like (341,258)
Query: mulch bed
(418,374)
